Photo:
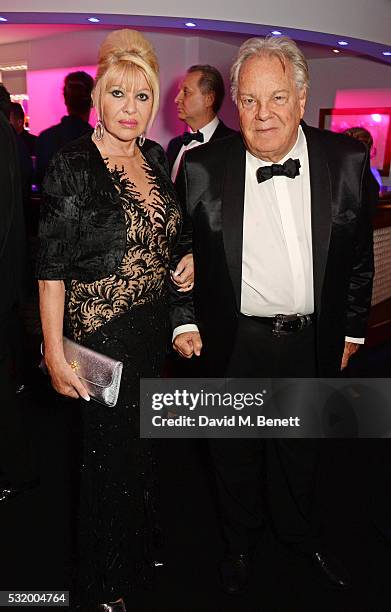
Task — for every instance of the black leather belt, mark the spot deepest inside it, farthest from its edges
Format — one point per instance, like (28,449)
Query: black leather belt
(286,324)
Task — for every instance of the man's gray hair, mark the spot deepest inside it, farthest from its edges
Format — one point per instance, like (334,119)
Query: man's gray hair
(282,47)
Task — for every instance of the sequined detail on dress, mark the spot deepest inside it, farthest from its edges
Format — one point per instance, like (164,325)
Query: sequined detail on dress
(124,316)
(151,226)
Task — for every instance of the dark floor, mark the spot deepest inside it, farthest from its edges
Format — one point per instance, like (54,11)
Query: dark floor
(35,528)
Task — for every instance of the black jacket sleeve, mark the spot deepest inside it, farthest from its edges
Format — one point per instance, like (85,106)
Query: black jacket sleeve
(181,303)
(361,280)
(59,222)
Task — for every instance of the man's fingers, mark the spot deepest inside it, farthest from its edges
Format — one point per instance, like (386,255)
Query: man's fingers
(187,288)
(184,348)
(185,278)
(349,350)
(179,269)
(188,344)
(197,345)
(184,272)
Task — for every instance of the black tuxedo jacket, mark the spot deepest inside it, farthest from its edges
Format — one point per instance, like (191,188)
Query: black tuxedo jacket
(211,185)
(175,145)
(12,231)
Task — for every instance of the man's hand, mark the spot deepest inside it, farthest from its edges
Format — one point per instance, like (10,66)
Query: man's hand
(188,344)
(183,276)
(349,350)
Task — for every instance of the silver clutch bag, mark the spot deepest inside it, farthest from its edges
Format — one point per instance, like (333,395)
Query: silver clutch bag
(100,375)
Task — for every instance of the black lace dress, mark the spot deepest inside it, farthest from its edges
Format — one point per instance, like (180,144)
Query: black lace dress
(124,315)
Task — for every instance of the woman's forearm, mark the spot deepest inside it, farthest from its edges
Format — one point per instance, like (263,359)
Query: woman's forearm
(51,303)
(64,379)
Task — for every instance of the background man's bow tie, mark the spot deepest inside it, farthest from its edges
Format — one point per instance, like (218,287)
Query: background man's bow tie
(187,137)
(290,168)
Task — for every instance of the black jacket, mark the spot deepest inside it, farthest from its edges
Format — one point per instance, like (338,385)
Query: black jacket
(12,231)
(82,226)
(175,145)
(211,186)
(54,138)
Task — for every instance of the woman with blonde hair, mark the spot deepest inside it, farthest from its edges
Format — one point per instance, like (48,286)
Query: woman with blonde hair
(109,222)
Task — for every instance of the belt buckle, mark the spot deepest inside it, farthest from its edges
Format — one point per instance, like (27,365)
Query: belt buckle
(301,321)
(278,322)
(305,321)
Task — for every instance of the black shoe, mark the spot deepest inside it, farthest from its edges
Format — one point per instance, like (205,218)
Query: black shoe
(329,568)
(8,491)
(117,606)
(234,573)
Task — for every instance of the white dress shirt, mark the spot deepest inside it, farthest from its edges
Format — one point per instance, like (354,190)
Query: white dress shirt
(207,132)
(277,267)
(277,272)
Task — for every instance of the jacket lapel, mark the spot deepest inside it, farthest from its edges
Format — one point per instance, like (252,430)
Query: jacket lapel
(320,207)
(219,131)
(173,151)
(232,213)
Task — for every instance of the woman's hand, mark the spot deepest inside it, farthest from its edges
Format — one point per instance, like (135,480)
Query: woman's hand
(64,379)
(183,276)
(51,304)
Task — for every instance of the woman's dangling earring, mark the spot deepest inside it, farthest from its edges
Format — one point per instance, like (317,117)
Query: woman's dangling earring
(99,130)
(141,140)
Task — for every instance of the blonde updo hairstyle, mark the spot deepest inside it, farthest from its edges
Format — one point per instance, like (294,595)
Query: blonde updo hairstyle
(122,54)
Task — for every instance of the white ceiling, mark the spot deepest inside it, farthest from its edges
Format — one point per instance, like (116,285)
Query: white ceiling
(12,33)
(360,19)
(17,33)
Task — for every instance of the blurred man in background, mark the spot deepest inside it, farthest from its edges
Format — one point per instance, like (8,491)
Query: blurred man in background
(77,96)
(17,120)
(15,460)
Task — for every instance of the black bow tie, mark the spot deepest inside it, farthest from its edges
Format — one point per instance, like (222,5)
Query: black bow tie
(290,168)
(187,137)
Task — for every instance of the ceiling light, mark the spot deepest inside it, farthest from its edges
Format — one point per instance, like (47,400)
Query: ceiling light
(93,19)
(10,68)
(386,52)
(336,51)
(19,97)
(276,33)
(190,24)
(343,43)
(3,19)
(376,118)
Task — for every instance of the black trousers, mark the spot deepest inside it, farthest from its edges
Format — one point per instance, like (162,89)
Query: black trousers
(15,450)
(291,463)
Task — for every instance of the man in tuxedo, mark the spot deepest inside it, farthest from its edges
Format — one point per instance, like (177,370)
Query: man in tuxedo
(282,244)
(199,99)
(15,460)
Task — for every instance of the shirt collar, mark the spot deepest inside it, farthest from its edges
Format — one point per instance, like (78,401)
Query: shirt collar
(209,128)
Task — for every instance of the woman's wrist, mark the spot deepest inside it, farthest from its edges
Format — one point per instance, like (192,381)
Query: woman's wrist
(54,354)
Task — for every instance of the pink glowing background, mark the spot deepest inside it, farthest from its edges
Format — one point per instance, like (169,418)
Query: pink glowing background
(46,102)
(362,98)
(378,126)
(45,106)
(364,109)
